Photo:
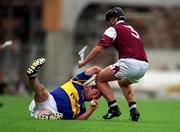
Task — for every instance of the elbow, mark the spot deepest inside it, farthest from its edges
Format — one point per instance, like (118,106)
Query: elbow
(98,49)
(96,69)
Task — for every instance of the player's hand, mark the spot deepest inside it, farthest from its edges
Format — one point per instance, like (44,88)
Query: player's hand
(94,104)
(81,63)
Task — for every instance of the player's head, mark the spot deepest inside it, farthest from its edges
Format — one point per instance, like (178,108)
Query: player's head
(91,92)
(113,15)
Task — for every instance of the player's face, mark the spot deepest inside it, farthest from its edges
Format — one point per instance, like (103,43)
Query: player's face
(91,93)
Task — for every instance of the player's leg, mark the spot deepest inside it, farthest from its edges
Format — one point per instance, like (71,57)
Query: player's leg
(101,80)
(129,94)
(40,92)
(102,83)
(127,90)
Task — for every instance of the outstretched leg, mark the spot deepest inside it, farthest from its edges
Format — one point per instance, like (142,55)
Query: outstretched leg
(40,92)
(129,94)
(102,83)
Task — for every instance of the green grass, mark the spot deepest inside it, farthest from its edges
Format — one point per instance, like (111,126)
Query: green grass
(157,116)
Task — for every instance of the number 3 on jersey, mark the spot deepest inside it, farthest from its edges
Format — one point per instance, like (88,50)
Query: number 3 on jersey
(134,33)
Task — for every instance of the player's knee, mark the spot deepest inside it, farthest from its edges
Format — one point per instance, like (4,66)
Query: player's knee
(41,96)
(124,83)
(98,78)
(41,91)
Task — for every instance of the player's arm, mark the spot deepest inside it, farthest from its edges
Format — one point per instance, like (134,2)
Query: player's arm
(94,52)
(106,40)
(87,74)
(93,70)
(89,112)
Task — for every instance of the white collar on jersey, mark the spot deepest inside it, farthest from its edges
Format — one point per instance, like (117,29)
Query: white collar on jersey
(120,21)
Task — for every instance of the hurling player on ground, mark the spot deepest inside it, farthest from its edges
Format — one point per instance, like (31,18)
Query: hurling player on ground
(66,101)
(130,67)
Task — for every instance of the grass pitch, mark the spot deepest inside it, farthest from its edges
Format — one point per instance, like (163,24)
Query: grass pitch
(157,116)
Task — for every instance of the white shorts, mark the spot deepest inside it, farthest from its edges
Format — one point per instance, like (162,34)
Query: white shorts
(130,69)
(49,104)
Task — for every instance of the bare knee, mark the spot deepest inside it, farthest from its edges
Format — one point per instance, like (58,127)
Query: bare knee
(127,89)
(98,78)
(124,83)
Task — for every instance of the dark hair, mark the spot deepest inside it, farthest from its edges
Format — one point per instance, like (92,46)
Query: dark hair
(115,12)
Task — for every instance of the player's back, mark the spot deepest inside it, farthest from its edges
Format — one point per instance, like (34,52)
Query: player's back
(128,42)
(69,99)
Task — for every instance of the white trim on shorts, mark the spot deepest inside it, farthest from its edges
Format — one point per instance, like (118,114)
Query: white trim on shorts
(49,104)
(130,69)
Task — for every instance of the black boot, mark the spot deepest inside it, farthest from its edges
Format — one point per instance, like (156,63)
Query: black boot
(112,113)
(134,115)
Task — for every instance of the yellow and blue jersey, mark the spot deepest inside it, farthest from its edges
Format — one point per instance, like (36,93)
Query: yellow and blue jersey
(70,96)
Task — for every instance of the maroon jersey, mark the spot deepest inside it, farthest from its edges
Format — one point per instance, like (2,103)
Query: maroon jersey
(126,40)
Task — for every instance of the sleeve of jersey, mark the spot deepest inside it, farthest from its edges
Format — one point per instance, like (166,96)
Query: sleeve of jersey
(108,37)
(81,77)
